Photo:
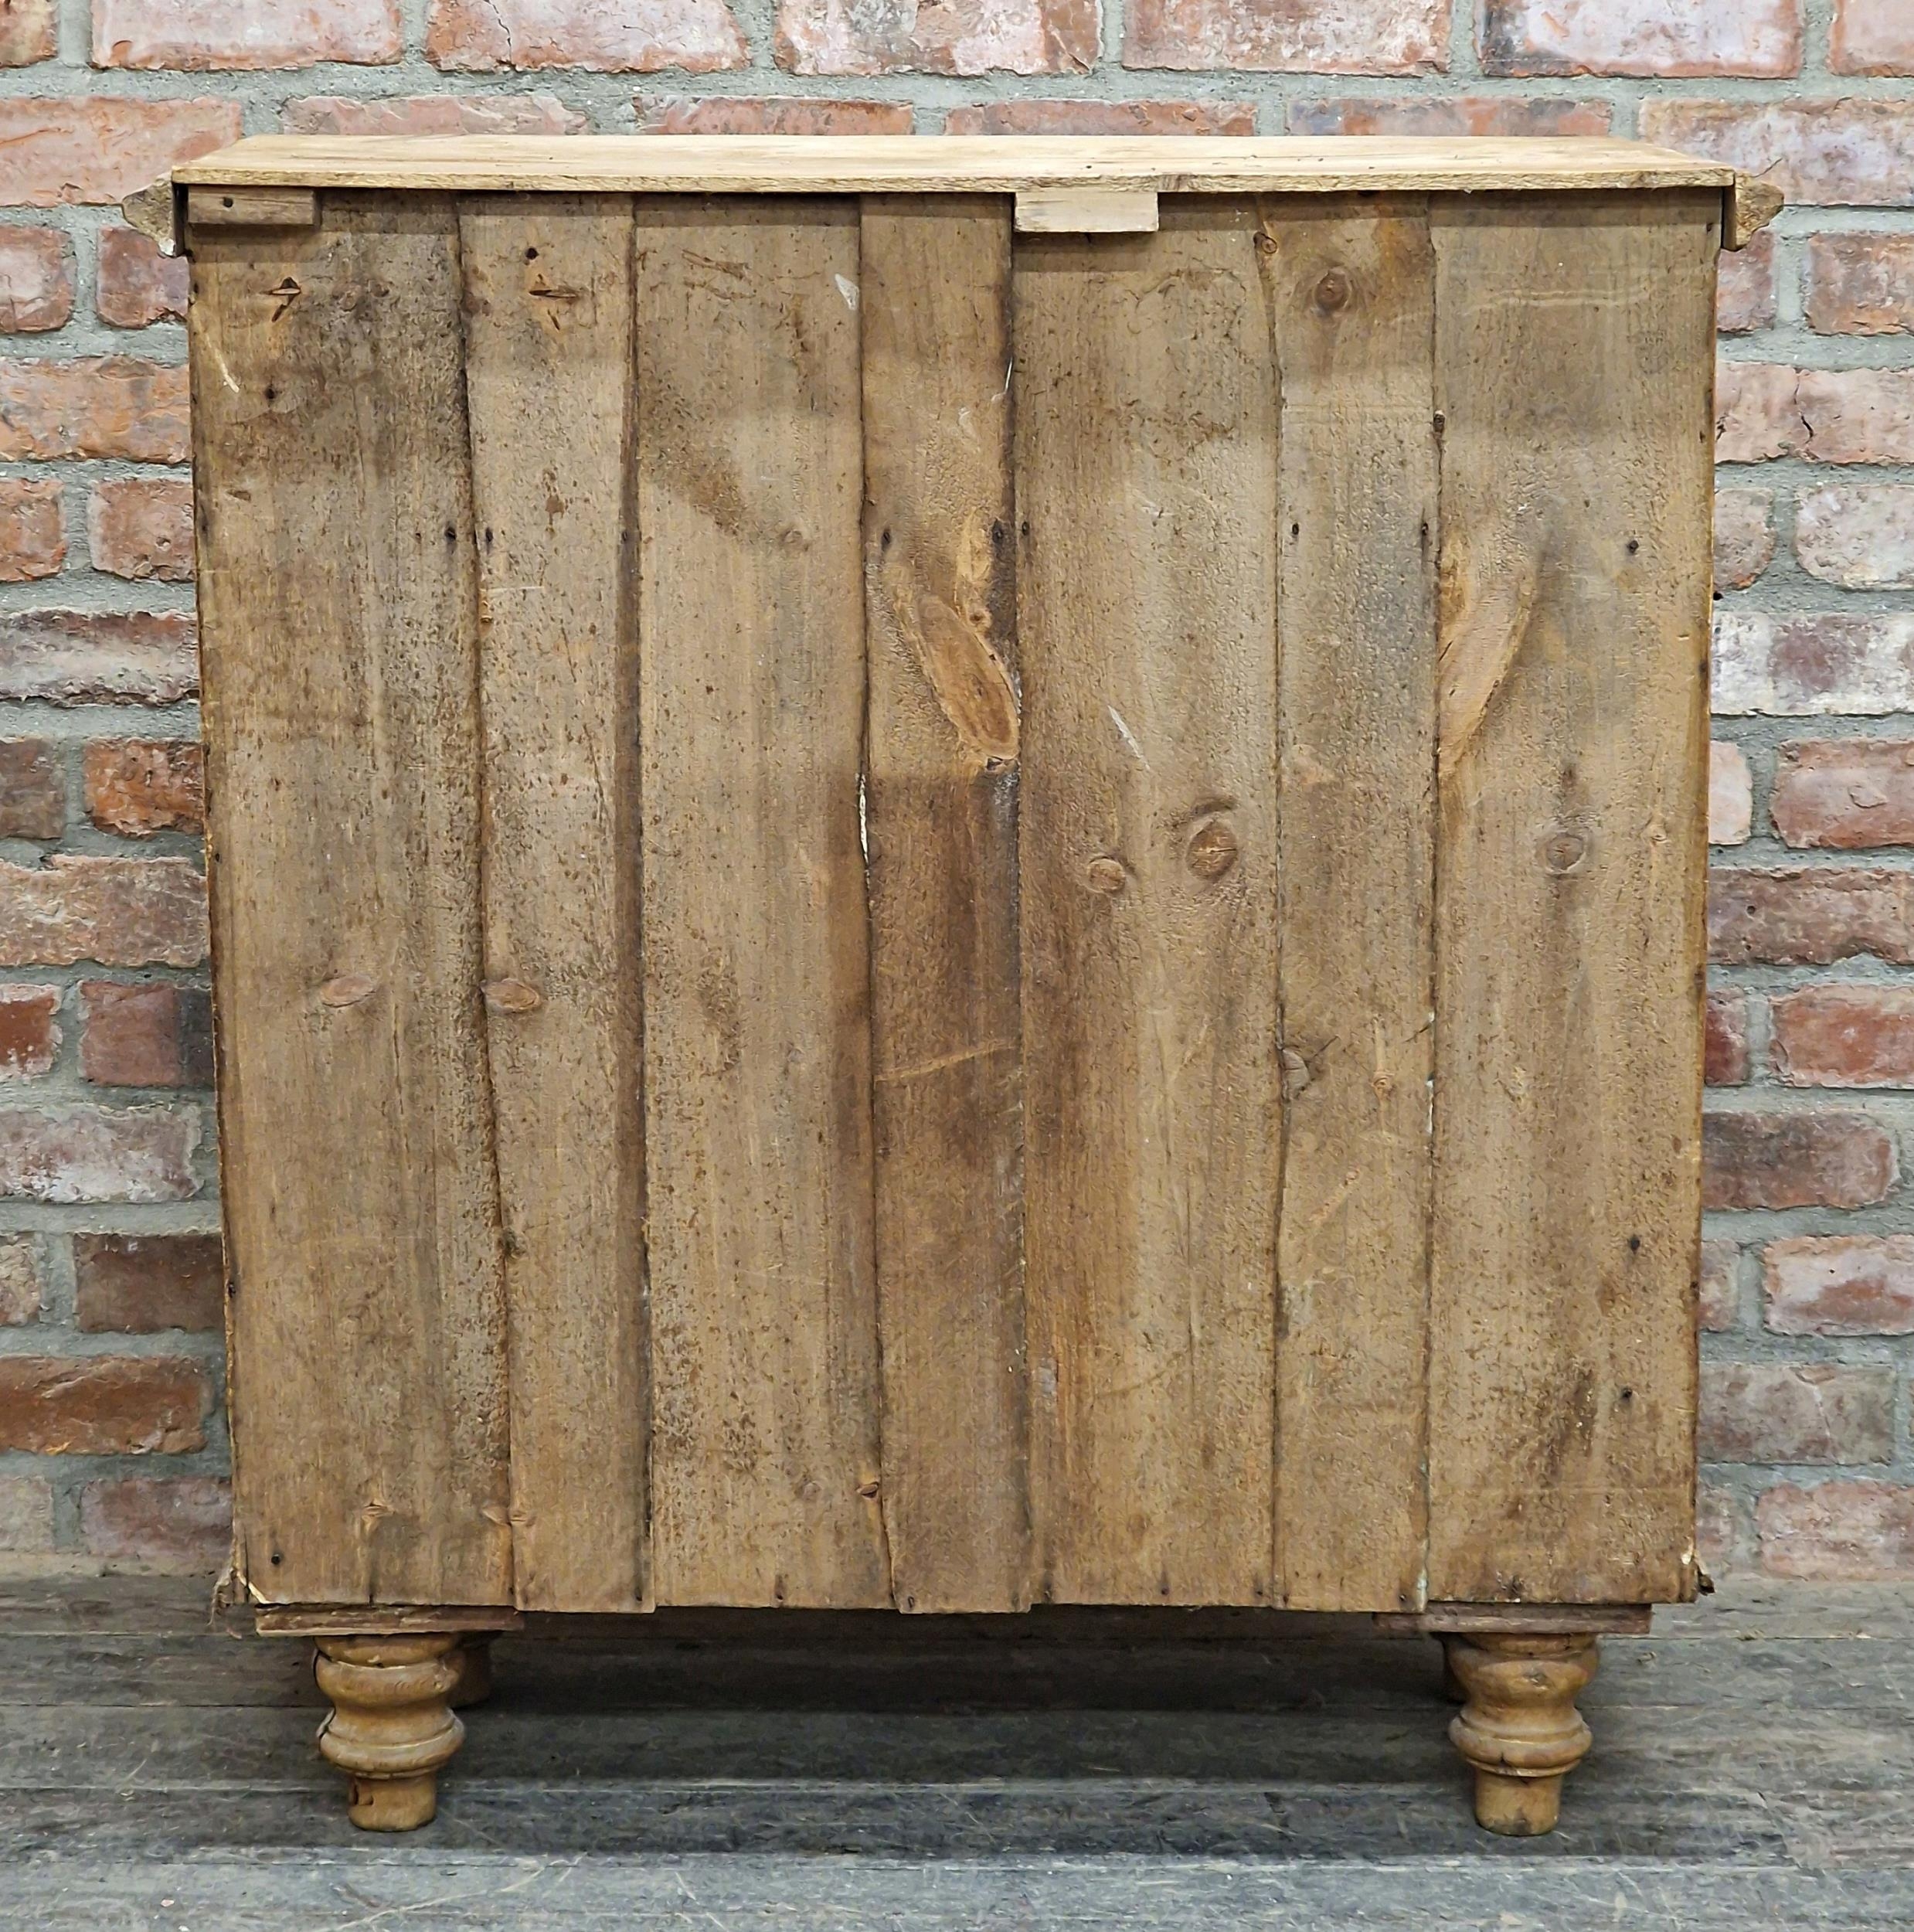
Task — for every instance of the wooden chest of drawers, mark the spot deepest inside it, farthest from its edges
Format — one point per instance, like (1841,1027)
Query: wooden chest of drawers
(951,875)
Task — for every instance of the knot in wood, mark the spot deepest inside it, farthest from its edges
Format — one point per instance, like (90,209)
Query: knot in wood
(1105,875)
(1333,291)
(1212,852)
(347,990)
(511,996)
(1564,850)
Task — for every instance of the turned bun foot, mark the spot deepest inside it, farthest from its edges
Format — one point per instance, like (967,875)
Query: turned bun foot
(473,1658)
(391,1725)
(1518,1727)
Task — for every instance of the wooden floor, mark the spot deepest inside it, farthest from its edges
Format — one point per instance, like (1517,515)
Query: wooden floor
(1753,1767)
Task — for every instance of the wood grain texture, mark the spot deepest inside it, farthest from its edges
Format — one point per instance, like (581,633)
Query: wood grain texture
(764,1375)
(884,164)
(341,669)
(1574,373)
(1145,462)
(548,359)
(1352,289)
(941,779)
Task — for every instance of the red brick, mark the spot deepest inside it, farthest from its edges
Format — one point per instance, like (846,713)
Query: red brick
(1844,793)
(1717,1306)
(1860,536)
(119,406)
(1845,1035)
(139,786)
(33,790)
(1745,289)
(1872,36)
(21,1292)
(1744,536)
(1719,1529)
(176,1523)
(1861,284)
(892,37)
(1840,1284)
(434,115)
(101,149)
(1450,115)
(1813,665)
(159,1035)
(727,114)
(36,280)
(1289,36)
(1796,1411)
(1858,151)
(202,34)
(103,1405)
(1796,1160)
(29,1037)
(141,526)
(614,35)
(1757,414)
(1857,415)
(86,657)
(1103,117)
(137,285)
(1725,1037)
(144,1283)
(1846,1531)
(1730,795)
(1809,917)
(29,31)
(1651,37)
(26,1516)
(32,535)
(117,912)
(62,1155)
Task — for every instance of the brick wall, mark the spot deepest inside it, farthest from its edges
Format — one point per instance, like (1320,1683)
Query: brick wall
(112,1448)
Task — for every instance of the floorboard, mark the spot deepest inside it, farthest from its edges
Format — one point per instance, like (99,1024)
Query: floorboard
(1753,1766)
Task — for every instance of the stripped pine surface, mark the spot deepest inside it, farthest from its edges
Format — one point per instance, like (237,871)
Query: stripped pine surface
(1351,288)
(1574,371)
(1145,439)
(765,1452)
(547,364)
(340,670)
(940,764)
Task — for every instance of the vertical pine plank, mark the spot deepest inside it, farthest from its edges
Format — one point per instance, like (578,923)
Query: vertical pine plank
(548,332)
(941,774)
(1145,468)
(1574,358)
(341,663)
(764,1375)
(1352,289)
